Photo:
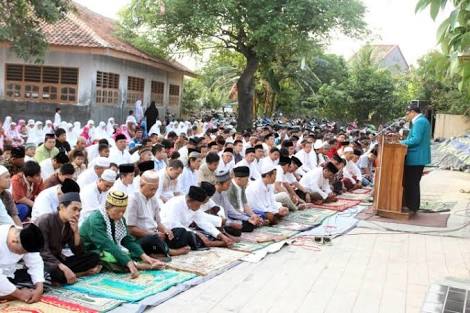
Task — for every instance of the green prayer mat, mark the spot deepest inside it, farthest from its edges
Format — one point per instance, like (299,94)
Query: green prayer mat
(91,302)
(311,217)
(123,287)
(436,207)
(277,233)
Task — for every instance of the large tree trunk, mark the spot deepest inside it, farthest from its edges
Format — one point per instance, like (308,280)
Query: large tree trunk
(246,92)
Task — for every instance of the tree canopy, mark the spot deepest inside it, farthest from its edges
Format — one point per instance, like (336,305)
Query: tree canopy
(258,30)
(20,22)
(454,36)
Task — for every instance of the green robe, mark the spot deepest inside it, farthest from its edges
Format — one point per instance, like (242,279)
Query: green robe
(95,238)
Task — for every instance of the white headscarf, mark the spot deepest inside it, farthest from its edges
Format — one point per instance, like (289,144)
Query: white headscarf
(6,123)
(48,129)
(71,137)
(37,133)
(100,132)
(91,128)
(110,126)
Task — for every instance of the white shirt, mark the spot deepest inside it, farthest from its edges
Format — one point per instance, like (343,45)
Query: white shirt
(119,157)
(92,200)
(183,155)
(46,168)
(254,173)
(142,212)
(127,189)
(176,214)
(87,177)
(314,181)
(46,202)
(166,190)
(225,167)
(92,153)
(57,119)
(268,161)
(9,261)
(260,197)
(309,161)
(351,170)
(187,179)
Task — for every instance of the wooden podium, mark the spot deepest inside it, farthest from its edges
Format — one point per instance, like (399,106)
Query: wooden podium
(388,189)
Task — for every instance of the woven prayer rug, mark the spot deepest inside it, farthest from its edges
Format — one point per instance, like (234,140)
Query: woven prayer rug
(203,262)
(247,246)
(361,191)
(354,196)
(46,305)
(257,237)
(308,217)
(123,287)
(277,233)
(85,300)
(340,205)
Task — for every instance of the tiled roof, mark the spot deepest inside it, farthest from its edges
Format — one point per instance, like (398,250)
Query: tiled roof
(84,28)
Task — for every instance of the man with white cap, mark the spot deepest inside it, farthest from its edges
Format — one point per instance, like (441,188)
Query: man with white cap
(91,175)
(320,147)
(260,196)
(351,172)
(143,219)
(94,195)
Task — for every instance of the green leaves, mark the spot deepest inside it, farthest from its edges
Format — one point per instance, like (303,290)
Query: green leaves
(454,35)
(20,20)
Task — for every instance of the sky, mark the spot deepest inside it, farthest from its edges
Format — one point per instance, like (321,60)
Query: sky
(389,21)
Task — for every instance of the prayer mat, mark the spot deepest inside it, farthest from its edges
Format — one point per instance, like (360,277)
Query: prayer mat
(85,300)
(436,207)
(203,262)
(340,205)
(247,246)
(420,219)
(123,287)
(277,233)
(293,226)
(361,191)
(257,237)
(46,305)
(354,196)
(309,217)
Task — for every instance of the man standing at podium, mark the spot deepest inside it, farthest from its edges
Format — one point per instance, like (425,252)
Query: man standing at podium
(418,155)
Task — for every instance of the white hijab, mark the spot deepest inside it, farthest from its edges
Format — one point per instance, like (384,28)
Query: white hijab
(110,126)
(48,129)
(100,132)
(37,133)
(7,123)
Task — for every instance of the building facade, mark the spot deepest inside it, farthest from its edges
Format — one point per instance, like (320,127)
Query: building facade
(89,73)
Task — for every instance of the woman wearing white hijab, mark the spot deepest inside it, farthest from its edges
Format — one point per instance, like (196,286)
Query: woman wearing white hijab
(100,132)
(110,126)
(49,129)
(37,134)
(6,124)
(91,128)
(71,138)
(30,128)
